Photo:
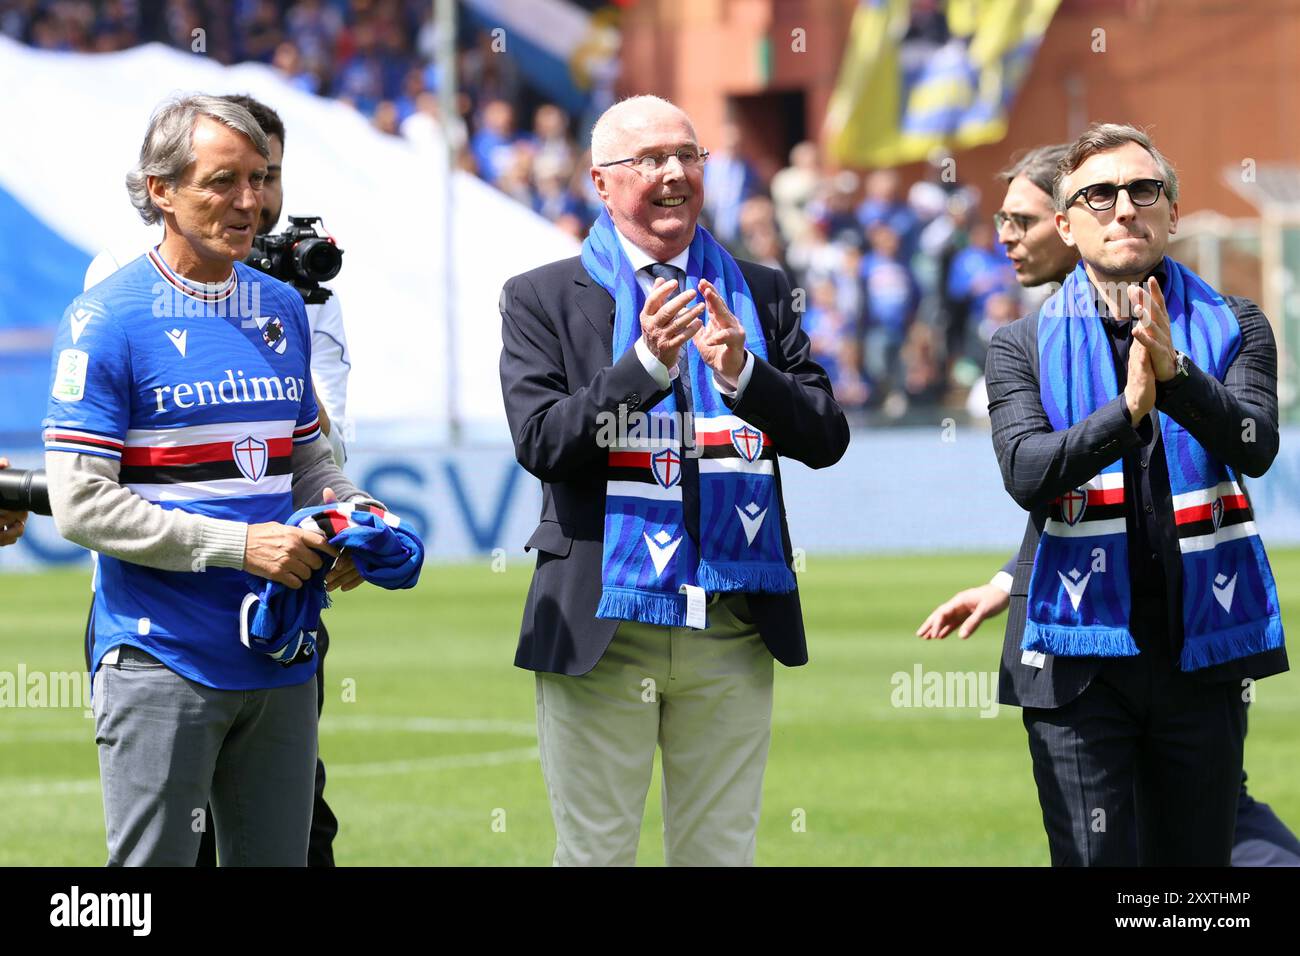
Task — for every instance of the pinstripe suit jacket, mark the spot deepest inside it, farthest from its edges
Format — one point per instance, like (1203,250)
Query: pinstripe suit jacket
(1039,464)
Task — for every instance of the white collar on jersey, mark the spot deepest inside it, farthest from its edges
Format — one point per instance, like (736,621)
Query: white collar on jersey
(204,291)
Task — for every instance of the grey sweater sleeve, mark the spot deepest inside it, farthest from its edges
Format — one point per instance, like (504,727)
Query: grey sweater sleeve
(314,470)
(92,509)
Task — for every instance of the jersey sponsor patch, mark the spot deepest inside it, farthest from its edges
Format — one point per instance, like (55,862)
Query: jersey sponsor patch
(70,376)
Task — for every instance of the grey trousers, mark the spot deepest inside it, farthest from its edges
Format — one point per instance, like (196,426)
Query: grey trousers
(168,746)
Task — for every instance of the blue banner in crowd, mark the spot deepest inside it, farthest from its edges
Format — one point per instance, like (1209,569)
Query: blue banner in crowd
(40,272)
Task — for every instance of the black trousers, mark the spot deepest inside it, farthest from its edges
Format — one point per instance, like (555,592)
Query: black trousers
(1143,768)
(324,825)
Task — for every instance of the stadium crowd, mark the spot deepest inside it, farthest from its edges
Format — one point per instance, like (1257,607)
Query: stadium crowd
(902,289)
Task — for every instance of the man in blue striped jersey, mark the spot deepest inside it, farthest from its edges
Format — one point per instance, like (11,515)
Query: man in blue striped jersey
(181,431)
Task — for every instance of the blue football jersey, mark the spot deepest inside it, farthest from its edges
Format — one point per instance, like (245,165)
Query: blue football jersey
(201,391)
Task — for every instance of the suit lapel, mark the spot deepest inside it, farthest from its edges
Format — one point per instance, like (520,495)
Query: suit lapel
(597,306)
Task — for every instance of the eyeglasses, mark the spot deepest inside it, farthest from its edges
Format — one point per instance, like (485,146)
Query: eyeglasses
(649,163)
(1015,223)
(1102,196)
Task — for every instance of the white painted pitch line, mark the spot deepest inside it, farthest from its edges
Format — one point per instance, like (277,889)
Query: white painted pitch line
(493,758)
(428,725)
(86,733)
(49,788)
(358,724)
(380,768)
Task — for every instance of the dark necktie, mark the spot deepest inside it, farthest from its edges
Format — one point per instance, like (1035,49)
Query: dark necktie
(683,398)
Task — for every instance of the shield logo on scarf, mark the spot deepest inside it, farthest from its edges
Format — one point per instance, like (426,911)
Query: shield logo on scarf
(748,442)
(1216,513)
(1073,505)
(250,456)
(666,466)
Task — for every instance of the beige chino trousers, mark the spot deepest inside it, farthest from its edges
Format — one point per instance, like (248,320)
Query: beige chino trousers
(705,698)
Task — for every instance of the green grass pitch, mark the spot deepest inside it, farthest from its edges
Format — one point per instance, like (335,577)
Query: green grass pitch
(429,739)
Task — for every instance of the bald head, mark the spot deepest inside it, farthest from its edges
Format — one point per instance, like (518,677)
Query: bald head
(625,120)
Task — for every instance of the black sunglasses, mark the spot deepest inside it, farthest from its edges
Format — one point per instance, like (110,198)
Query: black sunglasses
(1102,196)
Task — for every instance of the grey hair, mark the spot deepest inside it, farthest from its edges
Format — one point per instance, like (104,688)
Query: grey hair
(1038,166)
(1101,138)
(168,146)
(605,134)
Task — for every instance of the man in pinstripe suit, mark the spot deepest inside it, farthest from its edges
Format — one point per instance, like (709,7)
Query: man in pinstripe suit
(1026,228)
(1130,751)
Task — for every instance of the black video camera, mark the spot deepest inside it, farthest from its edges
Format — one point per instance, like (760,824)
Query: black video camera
(24,491)
(300,256)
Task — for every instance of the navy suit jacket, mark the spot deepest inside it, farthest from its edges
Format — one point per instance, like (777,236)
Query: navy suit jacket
(557,377)
(1039,464)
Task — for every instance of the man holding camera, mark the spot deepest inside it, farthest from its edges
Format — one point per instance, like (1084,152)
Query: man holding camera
(175,449)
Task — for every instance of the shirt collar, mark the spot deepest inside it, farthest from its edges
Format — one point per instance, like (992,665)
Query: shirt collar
(640,258)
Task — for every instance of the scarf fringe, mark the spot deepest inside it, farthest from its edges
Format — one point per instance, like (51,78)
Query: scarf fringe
(1067,641)
(767,576)
(1076,377)
(1218,647)
(648,607)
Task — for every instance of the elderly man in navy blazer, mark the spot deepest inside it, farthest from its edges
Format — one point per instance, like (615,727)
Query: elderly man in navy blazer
(651,384)
(1127,413)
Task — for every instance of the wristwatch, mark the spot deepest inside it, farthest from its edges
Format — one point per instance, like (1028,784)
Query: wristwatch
(1182,371)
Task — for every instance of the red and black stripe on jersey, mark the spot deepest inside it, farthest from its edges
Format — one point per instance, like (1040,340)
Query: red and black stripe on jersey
(336,521)
(142,465)
(328,523)
(1197,520)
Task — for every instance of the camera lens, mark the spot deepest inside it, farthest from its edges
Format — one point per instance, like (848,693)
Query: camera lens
(24,491)
(317,260)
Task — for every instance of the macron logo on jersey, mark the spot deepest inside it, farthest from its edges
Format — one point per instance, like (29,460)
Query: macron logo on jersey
(79,319)
(177,338)
(234,389)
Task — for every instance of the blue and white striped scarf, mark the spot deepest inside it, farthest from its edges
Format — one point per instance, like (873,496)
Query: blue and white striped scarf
(649,556)
(1079,598)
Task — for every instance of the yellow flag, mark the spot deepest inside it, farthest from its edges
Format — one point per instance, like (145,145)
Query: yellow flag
(897,100)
